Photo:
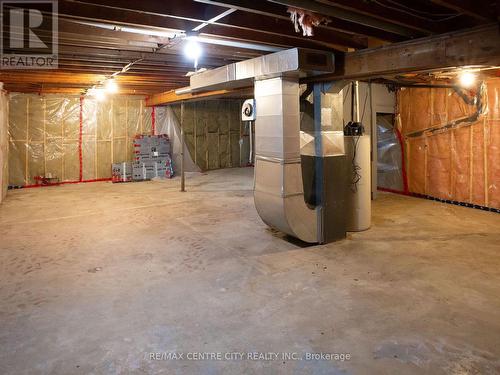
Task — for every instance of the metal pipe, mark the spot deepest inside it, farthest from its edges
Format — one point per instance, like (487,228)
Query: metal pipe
(183,90)
(250,136)
(355,88)
(183,182)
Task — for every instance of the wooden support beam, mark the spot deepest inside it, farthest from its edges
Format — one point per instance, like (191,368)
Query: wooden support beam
(171,97)
(66,90)
(63,77)
(473,47)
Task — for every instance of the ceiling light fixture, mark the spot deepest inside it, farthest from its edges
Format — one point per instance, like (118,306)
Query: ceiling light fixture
(98,93)
(466,79)
(193,50)
(111,86)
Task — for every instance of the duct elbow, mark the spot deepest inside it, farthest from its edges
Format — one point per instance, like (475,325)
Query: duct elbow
(279,199)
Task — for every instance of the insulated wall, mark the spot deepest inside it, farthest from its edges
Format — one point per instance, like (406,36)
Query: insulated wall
(214,134)
(72,138)
(4,144)
(452,149)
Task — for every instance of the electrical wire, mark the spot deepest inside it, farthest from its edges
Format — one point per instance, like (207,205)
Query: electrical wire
(364,107)
(356,169)
(171,42)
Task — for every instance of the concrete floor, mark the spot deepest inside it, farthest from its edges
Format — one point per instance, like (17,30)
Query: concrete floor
(96,277)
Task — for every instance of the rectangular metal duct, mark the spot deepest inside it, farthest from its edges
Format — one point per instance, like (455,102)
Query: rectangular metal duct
(292,62)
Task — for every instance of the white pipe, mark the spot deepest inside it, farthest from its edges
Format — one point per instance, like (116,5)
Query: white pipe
(250,135)
(214,19)
(356,101)
(183,90)
(232,43)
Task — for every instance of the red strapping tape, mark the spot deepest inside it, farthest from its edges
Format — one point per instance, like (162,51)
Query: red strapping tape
(153,120)
(80,139)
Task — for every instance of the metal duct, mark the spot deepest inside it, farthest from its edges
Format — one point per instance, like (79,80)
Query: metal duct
(279,182)
(279,194)
(292,62)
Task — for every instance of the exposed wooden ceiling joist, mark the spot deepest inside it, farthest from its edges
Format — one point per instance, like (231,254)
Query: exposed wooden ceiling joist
(279,11)
(356,12)
(89,44)
(186,15)
(480,9)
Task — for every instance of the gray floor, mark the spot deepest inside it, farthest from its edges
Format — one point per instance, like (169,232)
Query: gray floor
(96,277)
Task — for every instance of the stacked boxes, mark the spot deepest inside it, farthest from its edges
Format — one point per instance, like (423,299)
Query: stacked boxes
(149,169)
(152,157)
(121,172)
(151,147)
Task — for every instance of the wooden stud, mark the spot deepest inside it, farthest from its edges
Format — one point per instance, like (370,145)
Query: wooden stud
(127,140)
(62,146)
(95,142)
(452,170)
(27,144)
(218,148)
(183,183)
(485,161)
(206,146)
(44,110)
(230,155)
(425,165)
(112,132)
(195,134)
(471,159)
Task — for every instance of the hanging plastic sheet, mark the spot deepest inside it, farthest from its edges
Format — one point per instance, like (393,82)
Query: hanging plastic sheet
(389,155)
(108,130)
(4,145)
(453,143)
(43,138)
(166,123)
(72,139)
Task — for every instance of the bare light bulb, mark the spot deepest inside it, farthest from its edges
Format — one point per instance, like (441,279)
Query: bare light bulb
(193,51)
(98,94)
(111,86)
(467,79)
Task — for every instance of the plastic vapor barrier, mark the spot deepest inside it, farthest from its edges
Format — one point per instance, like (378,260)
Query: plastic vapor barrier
(4,144)
(452,143)
(389,155)
(72,138)
(166,122)
(214,134)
